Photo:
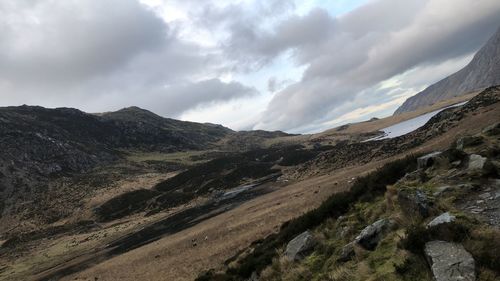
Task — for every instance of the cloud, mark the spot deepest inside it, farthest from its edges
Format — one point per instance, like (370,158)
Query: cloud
(365,47)
(191,95)
(102,55)
(279,64)
(74,40)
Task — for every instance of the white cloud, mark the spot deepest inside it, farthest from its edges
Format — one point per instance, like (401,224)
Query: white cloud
(202,60)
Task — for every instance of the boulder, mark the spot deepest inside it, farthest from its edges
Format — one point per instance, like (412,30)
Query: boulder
(253,277)
(416,175)
(443,189)
(467,141)
(300,246)
(476,162)
(369,237)
(428,160)
(492,130)
(347,253)
(450,261)
(441,219)
(414,203)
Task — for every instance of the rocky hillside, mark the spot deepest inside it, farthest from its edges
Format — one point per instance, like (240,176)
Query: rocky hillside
(483,71)
(39,144)
(430,217)
(57,153)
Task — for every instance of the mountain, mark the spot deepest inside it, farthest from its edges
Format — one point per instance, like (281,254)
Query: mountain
(43,149)
(66,139)
(483,71)
(129,195)
(40,144)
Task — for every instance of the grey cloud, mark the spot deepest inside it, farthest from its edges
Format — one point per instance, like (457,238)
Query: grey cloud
(357,53)
(181,97)
(68,40)
(101,55)
(271,84)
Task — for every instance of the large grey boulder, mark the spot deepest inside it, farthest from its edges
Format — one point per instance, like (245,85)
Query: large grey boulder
(369,237)
(476,162)
(414,203)
(428,160)
(300,246)
(441,219)
(450,261)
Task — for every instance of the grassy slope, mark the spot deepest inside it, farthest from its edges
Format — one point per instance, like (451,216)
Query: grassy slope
(399,255)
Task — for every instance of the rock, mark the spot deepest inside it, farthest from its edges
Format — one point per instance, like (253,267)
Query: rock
(300,246)
(450,261)
(476,162)
(443,189)
(468,141)
(427,160)
(414,203)
(347,253)
(497,195)
(441,219)
(485,196)
(492,130)
(372,234)
(416,175)
(477,210)
(344,231)
(254,277)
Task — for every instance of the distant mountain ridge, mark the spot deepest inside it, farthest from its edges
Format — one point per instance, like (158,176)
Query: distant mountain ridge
(483,71)
(41,144)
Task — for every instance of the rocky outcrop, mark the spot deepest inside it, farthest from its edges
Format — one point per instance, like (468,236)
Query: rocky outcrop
(450,261)
(492,130)
(428,160)
(467,141)
(300,246)
(414,203)
(476,162)
(371,235)
(483,71)
(347,253)
(441,219)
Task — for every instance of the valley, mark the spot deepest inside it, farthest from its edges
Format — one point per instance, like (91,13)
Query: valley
(250,140)
(130,240)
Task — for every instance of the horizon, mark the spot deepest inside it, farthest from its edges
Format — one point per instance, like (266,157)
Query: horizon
(293,66)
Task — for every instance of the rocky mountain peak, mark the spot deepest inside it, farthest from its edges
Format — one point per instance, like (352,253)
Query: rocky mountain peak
(482,72)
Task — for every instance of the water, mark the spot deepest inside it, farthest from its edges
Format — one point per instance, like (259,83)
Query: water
(410,125)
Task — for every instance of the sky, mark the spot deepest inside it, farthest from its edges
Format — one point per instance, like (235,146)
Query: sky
(290,65)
